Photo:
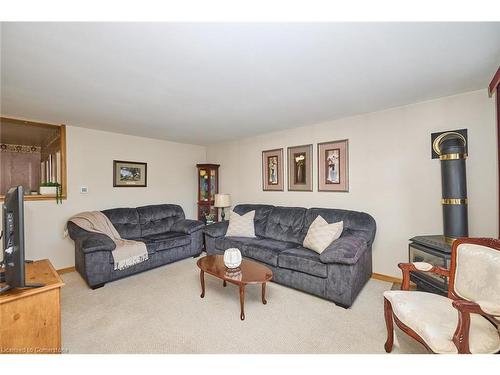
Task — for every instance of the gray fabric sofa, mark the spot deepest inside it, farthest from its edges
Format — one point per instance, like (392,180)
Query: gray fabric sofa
(168,236)
(338,274)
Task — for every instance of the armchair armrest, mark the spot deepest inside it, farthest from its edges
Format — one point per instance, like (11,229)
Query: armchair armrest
(95,242)
(187,226)
(345,250)
(216,230)
(419,267)
(465,308)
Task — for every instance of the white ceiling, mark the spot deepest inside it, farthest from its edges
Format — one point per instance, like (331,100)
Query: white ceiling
(208,83)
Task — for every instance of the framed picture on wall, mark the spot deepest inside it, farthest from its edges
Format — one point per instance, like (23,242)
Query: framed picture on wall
(129,174)
(300,165)
(272,170)
(333,166)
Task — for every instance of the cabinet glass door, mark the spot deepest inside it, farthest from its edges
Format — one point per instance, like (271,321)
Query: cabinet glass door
(204,189)
(213,182)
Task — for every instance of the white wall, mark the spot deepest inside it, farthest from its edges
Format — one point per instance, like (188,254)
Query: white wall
(392,176)
(90,155)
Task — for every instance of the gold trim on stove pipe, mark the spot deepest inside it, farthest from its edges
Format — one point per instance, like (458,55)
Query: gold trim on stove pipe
(452,156)
(454,201)
(436,145)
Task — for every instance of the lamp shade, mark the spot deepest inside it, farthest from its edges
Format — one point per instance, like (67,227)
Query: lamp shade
(222,200)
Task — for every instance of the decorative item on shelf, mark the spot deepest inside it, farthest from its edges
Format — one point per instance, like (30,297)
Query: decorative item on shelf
(209,218)
(333,166)
(52,188)
(208,186)
(232,258)
(222,201)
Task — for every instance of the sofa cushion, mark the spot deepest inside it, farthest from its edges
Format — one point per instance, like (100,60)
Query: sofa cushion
(302,260)
(125,221)
(159,218)
(261,249)
(286,224)
(266,250)
(262,212)
(359,223)
(165,241)
(321,234)
(241,225)
(223,243)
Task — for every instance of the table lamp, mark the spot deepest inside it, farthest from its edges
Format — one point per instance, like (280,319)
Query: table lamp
(222,201)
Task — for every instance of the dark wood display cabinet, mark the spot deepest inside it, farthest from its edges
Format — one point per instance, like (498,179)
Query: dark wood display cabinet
(208,186)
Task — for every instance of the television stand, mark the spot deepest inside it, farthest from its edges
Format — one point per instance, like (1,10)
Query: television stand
(7,287)
(33,285)
(31,318)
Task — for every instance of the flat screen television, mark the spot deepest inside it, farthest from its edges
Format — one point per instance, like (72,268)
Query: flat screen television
(13,240)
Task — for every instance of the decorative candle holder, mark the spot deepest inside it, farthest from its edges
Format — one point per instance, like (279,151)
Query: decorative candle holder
(232,258)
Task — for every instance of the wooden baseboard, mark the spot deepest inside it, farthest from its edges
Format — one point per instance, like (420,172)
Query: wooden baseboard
(66,270)
(390,279)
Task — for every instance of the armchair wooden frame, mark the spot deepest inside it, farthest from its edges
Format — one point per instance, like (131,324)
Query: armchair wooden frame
(464,307)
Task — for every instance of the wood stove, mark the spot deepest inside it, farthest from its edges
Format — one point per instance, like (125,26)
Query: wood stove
(436,251)
(451,149)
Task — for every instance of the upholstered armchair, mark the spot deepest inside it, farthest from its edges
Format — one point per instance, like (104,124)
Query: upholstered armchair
(467,320)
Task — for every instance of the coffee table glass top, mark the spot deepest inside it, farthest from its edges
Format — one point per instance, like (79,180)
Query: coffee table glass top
(249,272)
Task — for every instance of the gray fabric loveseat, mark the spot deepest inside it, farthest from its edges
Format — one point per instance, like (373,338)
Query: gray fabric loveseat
(168,236)
(338,274)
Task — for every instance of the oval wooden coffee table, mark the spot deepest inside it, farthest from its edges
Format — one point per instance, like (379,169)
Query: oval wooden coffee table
(247,273)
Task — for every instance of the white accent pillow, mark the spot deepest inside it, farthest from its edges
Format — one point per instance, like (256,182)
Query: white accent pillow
(241,225)
(321,234)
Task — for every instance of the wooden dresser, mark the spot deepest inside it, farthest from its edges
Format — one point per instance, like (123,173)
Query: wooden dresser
(30,319)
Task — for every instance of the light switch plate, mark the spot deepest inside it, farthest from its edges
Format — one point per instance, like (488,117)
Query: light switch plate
(84,190)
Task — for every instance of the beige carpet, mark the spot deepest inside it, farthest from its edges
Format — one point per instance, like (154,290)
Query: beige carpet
(160,311)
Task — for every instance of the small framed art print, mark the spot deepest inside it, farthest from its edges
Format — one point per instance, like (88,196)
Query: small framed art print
(129,174)
(272,170)
(333,166)
(300,165)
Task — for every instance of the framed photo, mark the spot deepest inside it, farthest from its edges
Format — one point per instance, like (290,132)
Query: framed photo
(300,165)
(272,170)
(129,174)
(333,166)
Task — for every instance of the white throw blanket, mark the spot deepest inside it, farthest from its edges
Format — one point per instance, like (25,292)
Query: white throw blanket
(127,252)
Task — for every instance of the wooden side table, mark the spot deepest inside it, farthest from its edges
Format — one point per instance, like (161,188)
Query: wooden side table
(30,319)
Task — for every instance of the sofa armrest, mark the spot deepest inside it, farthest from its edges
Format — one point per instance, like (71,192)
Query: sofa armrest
(345,250)
(187,226)
(75,231)
(95,242)
(216,230)
(89,242)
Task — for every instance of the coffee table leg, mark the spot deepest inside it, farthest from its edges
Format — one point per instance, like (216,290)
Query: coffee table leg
(224,283)
(264,293)
(242,302)
(202,279)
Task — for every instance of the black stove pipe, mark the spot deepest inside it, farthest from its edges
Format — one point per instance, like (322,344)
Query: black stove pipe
(451,148)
